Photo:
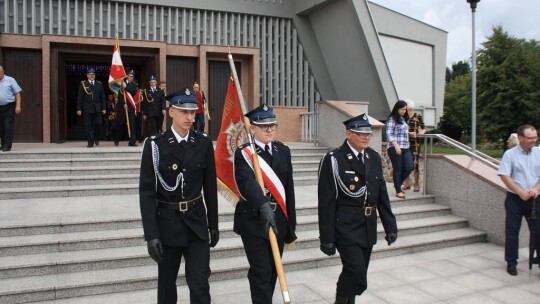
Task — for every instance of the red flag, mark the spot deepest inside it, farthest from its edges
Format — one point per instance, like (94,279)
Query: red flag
(117,73)
(231,135)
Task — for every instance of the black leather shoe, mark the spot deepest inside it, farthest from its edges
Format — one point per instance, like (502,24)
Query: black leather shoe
(116,143)
(6,149)
(132,145)
(511,269)
(96,142)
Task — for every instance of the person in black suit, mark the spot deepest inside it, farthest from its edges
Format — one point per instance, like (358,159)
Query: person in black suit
(128,91)
(91,102)
(153,106)
(255,213)
(351,191)
(177,219)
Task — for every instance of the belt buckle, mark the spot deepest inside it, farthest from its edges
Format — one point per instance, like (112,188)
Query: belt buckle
(183,209)
(274,206)
(367,211)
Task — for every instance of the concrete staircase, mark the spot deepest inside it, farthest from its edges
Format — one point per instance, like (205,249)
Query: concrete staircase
(101,259)
(73,172)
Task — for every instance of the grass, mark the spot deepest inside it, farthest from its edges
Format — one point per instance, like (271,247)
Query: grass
(447,150)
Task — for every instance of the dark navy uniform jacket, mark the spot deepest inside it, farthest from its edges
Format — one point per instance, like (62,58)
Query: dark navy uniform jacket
(153,102)
(95,101)
(195,160)
(246,217)
(341,219)
(132,88)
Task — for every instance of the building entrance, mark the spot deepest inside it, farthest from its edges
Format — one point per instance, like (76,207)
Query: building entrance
(75,73)
(71,66)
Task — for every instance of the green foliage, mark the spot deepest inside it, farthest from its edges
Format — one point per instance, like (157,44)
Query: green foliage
(459,69)
(508,85)
(456,119)
(508,89)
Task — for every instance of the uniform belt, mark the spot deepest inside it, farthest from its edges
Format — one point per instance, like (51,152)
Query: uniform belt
(367,210)
(181,206)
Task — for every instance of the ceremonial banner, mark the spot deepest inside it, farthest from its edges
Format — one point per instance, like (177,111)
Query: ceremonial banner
(117,72)
(231,135)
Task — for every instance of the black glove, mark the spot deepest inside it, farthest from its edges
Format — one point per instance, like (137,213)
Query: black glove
(214,237)
(328,248)
(155,250)
(391,237)
(267,218)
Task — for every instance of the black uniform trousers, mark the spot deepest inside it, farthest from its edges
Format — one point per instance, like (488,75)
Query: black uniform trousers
(138,127)
(262,274)
(154,124)
(197,259)
(92,124)
(353,278)
(516,209)
(7,124)
(121,127)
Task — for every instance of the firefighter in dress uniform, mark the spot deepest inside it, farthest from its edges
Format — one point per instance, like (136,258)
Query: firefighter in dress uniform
(255,213)
(128,91)
(91,104)
(153,106)
(351,192)
(178,220)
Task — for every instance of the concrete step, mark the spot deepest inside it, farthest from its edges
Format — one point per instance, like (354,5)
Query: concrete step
(80,185)
(84,240)
(69,162)
(70,171)
(76,284)
(297,150)
(76,153)
(85,223)
(306,180)
(299,161)
(40,263)
(68,191)
(312,157)
(55,181)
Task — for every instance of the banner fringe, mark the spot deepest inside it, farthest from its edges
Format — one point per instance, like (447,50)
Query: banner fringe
(227,193)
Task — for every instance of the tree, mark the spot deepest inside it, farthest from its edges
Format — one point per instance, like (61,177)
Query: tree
(508,84)
(456,119)
(457,101)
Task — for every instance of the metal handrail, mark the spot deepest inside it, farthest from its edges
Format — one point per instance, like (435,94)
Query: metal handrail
(477,155)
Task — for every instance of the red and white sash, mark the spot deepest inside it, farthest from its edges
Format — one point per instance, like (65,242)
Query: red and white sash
(270,179)
(133,100)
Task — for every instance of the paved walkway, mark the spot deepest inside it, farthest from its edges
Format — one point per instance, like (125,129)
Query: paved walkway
(467,274)
(460,275)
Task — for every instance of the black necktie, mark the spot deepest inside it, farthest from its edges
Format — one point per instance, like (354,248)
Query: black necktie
(92,82)
(360,157)
(267,150)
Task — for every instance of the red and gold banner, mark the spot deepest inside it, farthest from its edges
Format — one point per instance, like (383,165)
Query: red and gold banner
(231,135)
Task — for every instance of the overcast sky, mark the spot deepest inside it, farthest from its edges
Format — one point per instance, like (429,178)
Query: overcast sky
(520,18)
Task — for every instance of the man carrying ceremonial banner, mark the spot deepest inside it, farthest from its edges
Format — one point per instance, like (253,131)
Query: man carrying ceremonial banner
(263,182)
(129,96)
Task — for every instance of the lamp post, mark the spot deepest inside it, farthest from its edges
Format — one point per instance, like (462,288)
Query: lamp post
(473,4)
